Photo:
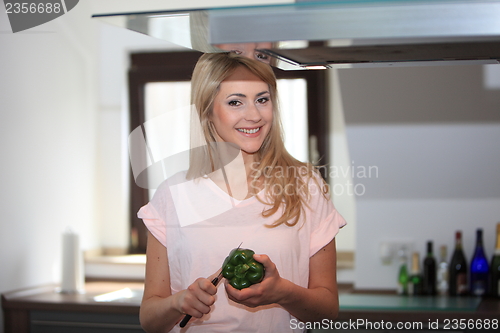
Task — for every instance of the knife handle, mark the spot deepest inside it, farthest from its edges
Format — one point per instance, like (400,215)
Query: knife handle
(187,317)
(185,320)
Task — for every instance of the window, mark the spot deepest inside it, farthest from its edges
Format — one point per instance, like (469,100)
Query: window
(159,83)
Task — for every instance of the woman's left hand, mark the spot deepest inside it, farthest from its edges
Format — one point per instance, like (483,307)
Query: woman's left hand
(268,291)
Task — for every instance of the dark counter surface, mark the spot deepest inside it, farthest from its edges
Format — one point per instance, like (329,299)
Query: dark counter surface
(48,298)
(411,308)
(353,305)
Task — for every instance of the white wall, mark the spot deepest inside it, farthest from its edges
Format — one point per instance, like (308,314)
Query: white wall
(432,133)
(417,221)
(47,144)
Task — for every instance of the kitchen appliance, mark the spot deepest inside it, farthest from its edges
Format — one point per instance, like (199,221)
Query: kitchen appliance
(334,33)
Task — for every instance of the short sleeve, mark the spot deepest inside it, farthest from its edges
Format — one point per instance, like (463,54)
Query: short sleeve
(324,218)
(153,214)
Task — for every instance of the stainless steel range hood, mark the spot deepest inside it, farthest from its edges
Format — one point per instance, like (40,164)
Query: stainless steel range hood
(349,33)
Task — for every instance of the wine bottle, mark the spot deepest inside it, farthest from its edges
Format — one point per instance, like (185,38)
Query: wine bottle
(442,274)
(458,269)
(495,268)
(403,276)
(429,271)
(415,283)
(479,267)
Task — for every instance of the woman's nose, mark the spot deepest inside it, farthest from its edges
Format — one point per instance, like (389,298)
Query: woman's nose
(253,113)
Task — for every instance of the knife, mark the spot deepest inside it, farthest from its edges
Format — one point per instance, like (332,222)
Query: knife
(215,281)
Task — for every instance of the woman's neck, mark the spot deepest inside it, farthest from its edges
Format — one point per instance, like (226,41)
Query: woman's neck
(248,161)
(236,178)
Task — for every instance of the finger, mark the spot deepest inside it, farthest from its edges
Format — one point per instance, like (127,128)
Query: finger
(240,295)
(200,309)
(193,312)
(245,296)
(266,261)
(205,291)
(190,305)
(206,286)
(196,293)
(232,293)
(262,258)
(195,307)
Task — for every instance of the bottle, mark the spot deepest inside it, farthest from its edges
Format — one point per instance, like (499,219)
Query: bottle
(458,269)
(479,268)
(429,286)
(403,274)
(442,273)
(415,283)
(495,268)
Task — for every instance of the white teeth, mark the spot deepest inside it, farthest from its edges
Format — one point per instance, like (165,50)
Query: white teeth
(252,131)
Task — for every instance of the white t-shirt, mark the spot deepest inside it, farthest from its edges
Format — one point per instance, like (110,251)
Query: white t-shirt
(200,224)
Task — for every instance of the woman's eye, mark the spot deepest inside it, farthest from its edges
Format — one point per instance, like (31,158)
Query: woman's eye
(261,56)
(234,103)
(263,100)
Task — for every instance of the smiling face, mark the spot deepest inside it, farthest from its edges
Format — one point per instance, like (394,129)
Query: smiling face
(243,111)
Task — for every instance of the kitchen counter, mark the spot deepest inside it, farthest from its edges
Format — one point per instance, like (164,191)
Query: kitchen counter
(114,306)
(105,307)
(412,308)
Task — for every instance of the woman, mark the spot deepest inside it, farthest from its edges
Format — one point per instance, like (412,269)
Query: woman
(263,197)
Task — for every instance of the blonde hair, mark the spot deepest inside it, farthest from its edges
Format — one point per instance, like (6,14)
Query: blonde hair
(272,159)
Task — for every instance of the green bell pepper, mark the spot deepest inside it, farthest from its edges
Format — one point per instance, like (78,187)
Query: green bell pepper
(241,269)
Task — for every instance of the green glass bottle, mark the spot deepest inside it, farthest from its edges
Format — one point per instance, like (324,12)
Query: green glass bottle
(403,277)
(429,271)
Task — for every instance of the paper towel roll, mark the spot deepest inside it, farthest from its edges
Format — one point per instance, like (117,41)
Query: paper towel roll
(73,277)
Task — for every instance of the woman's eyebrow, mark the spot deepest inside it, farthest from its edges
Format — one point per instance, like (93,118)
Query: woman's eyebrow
(237,95)
(243,95)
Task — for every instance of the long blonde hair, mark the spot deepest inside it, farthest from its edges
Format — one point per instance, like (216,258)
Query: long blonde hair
(274,164)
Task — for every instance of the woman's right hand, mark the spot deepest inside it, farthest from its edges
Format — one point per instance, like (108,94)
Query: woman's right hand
(197,298)
(160,309)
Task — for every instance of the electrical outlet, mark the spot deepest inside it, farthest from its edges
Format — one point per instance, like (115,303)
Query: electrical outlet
(391,250)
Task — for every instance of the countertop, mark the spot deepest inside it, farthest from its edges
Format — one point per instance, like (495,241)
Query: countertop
(47,298)
(127,296)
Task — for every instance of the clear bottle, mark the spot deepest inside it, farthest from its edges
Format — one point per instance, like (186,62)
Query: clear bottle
(479,268)
(495,268)
(429,266)
(442,273)
(458,269)
(415,283)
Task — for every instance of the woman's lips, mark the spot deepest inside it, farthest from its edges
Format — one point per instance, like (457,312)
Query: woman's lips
(249,131)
